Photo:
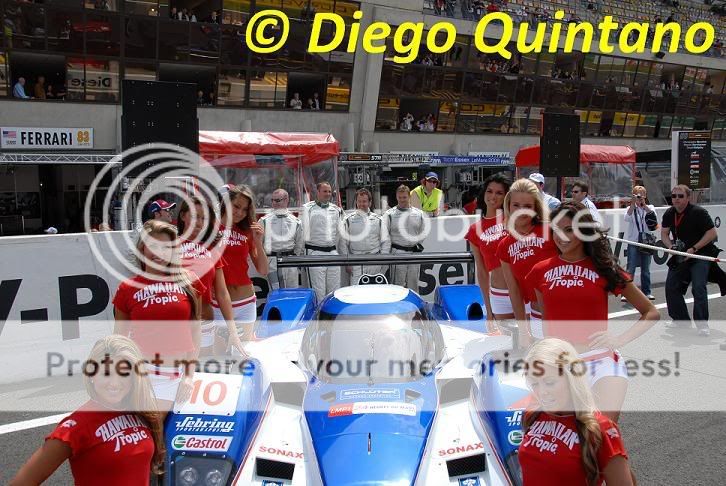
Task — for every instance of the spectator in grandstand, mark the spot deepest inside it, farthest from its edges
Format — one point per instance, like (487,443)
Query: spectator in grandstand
(159,309)
(119,401)
(641,219)
(283,237)
(581,194)
(160,210)
(527,242)
(19,89)
(321,222)
(201,255)
(693,232)
(200,98)
(566,438)
(484,237)
(550,201)
(174,14)
(406,227)
(242,241)
(427,196)
(572,289)
(316,102)
(296,102)
(407,122)
(310,105)
(365,233)
(39,88)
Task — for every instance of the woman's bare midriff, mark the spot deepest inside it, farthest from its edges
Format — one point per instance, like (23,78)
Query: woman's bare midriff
(497,280)
(240,292)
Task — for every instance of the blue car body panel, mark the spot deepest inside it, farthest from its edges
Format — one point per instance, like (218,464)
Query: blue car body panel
(500,404)
(460,306)
(286,310)
(383,446)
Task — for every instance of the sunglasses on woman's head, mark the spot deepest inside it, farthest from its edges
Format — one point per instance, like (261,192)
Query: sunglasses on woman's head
(678,196)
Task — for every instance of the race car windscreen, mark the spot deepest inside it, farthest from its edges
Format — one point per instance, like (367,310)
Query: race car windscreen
(389,348)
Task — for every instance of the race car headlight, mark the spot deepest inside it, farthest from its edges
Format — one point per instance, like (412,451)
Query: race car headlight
(188,476)
(514,469)
(201,471)
(214,478)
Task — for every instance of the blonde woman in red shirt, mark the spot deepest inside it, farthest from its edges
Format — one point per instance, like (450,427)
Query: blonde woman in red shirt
(566,440)
(159,310)
(528,241)
(115,438)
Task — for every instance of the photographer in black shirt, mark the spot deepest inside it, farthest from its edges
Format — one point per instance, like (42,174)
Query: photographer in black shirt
(693,232)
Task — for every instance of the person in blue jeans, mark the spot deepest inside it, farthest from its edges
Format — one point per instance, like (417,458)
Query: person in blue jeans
(635,219)
(693,232)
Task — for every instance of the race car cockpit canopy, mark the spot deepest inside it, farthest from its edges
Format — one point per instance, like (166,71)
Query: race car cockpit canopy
(372,334)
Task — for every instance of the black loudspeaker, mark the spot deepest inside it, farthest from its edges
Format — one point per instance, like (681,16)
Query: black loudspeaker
(560,145)
(660,55)
(158,112)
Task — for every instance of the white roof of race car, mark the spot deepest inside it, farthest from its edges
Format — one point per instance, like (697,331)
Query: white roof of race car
(371,294)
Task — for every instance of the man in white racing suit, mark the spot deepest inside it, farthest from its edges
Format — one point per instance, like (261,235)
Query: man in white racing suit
(283,237)
(364,234)
(406,229)
(322,221)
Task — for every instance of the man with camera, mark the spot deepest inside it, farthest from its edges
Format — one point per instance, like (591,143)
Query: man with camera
(694,233)
(641,221)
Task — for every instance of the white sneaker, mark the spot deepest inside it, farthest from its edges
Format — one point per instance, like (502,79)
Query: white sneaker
(623,299)
(651,297)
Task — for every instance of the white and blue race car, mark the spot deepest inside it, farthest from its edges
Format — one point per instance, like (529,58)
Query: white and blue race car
(373,386)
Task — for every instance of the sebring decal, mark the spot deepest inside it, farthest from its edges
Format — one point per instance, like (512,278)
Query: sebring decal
(371,393)
(208,443)
(358,408)
(196,425)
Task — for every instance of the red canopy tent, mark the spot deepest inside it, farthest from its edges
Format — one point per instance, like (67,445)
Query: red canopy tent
(608,169)
(270,160)
(609,154)
(238,149)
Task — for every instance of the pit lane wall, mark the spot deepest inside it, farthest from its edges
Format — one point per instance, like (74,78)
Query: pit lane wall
(55,295)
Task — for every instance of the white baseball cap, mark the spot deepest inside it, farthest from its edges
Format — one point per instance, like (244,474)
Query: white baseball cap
(536,177)
(51,231)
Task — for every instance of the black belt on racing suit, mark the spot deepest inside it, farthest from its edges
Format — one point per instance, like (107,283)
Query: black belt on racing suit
(403,248)
(326,249)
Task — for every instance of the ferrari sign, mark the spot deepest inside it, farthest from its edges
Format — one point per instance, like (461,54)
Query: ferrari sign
(46,138)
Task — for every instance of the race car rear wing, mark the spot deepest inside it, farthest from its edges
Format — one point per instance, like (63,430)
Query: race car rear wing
(379,259)
(307,261)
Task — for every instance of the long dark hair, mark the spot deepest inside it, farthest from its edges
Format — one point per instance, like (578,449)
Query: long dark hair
(499,178)
(207,233)
(228,198)
(597,246)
